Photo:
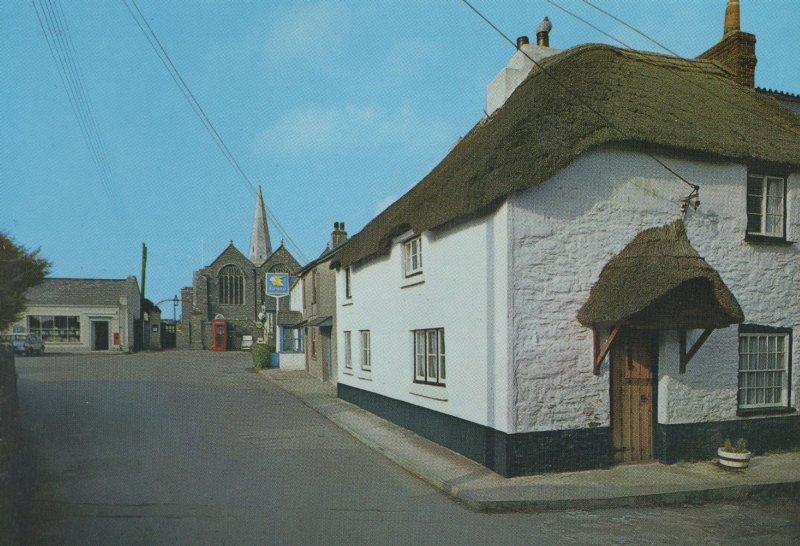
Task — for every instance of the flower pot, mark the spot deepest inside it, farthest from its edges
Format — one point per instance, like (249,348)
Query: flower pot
(733,461)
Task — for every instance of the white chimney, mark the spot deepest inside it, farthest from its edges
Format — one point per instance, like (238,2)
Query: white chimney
(520,65)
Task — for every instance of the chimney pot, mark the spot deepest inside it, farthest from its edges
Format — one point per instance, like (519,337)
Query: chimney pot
(521,41)
(543,33)
(336,226)
(732,19)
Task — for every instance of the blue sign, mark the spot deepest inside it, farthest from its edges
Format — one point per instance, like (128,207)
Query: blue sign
(277,284)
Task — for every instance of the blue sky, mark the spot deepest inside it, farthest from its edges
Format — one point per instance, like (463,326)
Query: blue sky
(335,108)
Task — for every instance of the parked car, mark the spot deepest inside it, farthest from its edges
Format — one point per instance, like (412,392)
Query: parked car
(24,344)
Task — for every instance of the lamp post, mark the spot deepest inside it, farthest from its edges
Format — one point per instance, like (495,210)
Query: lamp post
(175,310)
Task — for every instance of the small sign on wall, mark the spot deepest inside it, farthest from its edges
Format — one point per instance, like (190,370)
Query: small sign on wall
(116,338)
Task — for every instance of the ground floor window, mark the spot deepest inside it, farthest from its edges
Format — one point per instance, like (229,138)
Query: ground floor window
(429,359)
(366,355)
(763,367)
(55,328)
(348,355)
(291,340)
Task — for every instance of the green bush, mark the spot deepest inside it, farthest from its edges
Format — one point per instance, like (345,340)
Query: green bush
(260,353)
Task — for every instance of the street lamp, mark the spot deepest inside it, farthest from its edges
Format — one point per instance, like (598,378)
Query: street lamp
(175,310)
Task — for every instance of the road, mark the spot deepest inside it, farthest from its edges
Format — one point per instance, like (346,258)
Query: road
(184,447)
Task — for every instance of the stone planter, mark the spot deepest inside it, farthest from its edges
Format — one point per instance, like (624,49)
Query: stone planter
(732,460)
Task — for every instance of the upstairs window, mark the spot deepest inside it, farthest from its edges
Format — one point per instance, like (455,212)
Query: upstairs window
(231,285)
(412,256)
(314,286)
(348,283)
(766,198)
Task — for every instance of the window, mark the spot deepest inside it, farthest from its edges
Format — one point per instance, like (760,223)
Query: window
(763,367)
(366,360)
(348,283)
(429,364)
(292,340)
(314,286)
(348,355)
(55,329)
(765,205)
(231,286)
(412,254)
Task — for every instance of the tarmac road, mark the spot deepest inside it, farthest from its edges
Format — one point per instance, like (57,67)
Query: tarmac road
(184,447)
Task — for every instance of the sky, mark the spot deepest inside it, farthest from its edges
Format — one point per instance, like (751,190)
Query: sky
(336,108)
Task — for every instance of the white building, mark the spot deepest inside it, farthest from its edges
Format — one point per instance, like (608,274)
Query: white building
(83,314)
(542,302)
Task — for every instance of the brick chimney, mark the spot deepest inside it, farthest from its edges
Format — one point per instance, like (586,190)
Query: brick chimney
(737,50)
(339,235)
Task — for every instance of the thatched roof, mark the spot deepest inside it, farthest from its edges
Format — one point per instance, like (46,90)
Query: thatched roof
(660,103)
(659,280)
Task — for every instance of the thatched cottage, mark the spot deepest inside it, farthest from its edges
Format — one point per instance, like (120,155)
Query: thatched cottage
(604,270)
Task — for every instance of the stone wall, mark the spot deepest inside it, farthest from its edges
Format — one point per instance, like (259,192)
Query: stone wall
(10,447)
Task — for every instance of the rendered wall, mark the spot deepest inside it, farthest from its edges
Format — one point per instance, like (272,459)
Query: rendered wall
(464,290)
(565,231)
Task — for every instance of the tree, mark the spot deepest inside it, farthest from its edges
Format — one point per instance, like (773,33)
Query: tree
(20,269)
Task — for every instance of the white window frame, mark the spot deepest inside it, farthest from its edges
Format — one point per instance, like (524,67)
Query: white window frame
(429,357)
(772,220)
(412,256)
(366,354)
(348,353)
(763,369)
(348,283)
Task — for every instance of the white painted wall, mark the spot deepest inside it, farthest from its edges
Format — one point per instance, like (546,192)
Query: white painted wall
(565,231)
(509,78)
(117,323)
(463,289)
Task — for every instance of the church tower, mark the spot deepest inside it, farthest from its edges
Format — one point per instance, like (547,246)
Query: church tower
(260,246)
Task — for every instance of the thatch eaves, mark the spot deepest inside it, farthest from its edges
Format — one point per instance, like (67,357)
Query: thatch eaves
(657,102)
(660,281)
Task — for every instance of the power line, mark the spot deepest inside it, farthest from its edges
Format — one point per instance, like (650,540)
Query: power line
(631,27)
(157,46)
(52,22)
(578,98)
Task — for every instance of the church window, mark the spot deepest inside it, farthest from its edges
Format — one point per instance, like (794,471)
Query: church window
(231,286)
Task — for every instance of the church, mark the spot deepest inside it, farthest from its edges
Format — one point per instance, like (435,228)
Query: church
(231,289)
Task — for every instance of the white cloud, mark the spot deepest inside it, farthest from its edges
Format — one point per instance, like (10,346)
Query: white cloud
(308,31)
(341,128)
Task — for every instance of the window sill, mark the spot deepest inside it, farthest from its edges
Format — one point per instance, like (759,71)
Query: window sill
(413,280)
(347,302)
(429,391)
(347,371)
(750,412)
(365,375)
(767,240)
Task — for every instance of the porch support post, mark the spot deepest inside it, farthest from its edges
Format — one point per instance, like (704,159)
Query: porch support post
(687,356)
(600,354)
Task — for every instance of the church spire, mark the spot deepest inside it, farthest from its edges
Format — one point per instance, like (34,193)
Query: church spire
(260,246)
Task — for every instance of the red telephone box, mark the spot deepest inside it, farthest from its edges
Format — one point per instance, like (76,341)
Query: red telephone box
(220,333)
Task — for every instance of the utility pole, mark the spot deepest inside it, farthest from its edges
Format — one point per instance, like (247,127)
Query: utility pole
(141,299)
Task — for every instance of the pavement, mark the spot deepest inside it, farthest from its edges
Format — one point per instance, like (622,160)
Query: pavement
(651,484)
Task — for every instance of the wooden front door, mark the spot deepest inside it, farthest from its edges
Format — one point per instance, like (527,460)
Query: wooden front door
(632,365)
